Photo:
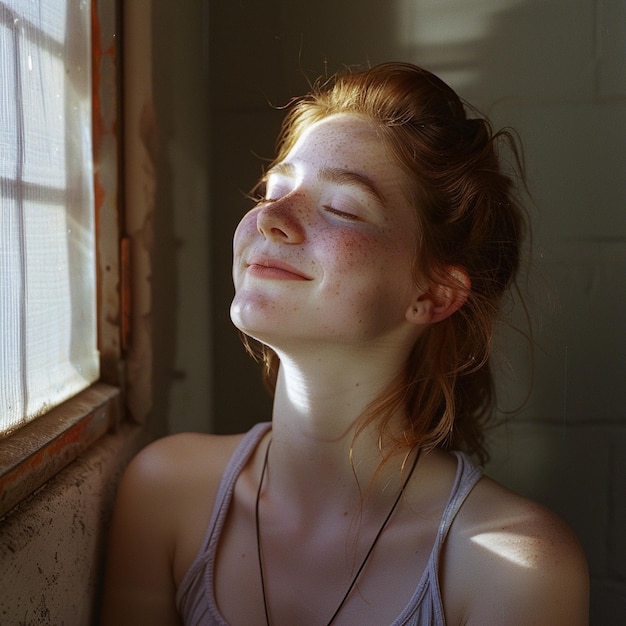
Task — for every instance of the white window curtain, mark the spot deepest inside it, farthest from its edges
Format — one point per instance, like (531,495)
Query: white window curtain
(48,337)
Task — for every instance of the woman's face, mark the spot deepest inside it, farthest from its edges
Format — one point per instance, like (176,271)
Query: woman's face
(329,255)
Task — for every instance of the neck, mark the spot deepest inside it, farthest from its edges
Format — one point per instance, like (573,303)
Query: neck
(316,454)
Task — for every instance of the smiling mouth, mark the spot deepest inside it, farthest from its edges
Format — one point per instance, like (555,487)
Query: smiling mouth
(275,269)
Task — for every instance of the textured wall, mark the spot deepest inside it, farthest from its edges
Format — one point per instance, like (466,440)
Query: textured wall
(51,545)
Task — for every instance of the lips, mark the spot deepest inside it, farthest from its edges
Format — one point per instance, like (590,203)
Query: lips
(267,267)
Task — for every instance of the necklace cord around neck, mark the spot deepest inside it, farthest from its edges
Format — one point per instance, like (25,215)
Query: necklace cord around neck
(363,562)
(258,532)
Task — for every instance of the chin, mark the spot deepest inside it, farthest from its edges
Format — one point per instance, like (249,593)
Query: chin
(251,322)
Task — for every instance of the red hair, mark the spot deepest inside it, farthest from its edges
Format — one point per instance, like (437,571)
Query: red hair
(468,217)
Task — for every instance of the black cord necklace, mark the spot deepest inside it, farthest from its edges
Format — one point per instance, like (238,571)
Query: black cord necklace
(367,556)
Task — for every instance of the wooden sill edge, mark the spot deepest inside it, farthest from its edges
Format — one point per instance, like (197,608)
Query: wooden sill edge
(34,453)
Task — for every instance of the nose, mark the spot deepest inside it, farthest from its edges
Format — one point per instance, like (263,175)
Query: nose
(280,221)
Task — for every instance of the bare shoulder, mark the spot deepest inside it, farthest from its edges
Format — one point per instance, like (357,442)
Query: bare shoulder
(510,560)
(181,460)
(162,509)
(172,474)
(177,478)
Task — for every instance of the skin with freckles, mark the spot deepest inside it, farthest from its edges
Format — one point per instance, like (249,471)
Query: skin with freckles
(353,238)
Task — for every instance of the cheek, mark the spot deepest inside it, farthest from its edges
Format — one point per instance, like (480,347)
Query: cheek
(244,234)
(363,252)
(350,250)
(246,228)
(353,264)
(372,277)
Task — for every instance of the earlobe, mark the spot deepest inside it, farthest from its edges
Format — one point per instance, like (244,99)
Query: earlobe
(442,299)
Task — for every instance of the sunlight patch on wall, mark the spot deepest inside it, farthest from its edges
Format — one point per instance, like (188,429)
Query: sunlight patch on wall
(443,35)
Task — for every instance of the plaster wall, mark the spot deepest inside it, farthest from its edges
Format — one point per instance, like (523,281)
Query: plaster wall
(52,544)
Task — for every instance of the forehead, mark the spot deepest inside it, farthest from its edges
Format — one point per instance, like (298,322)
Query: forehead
(339,136)
(351,143)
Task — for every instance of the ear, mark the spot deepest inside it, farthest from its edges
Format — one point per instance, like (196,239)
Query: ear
(442,299)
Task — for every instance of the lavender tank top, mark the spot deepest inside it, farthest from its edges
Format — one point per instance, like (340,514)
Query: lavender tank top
(195,598)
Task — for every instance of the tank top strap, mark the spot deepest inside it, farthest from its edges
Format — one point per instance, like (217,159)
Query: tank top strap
(426,606)
(467,475)
(235,465)
(206,555)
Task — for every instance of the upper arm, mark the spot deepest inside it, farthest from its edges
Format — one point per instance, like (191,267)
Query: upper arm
(538,576)
(513,562)
(139,587)
(161,513)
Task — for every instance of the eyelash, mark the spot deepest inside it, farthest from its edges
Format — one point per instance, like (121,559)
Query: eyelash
(342,214)
(260,200)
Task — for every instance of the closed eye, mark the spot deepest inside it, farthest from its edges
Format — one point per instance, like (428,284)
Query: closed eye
(342,214)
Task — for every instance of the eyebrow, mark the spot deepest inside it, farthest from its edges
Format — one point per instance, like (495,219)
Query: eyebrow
(334,175)
(352,179)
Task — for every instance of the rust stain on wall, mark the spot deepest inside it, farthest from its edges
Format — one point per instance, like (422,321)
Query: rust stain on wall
(109,217)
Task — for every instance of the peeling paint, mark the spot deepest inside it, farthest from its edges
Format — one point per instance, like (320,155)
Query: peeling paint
(105,101)
(140,126)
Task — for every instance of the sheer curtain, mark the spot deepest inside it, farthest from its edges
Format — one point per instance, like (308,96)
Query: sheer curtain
(48,337)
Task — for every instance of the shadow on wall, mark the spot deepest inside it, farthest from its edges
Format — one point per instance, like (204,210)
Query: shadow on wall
(180,280)
(563,90)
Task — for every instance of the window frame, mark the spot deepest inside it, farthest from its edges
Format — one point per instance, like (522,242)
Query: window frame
(35,452)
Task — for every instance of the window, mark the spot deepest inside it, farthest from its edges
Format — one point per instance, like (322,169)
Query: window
(48,349)
(58,282)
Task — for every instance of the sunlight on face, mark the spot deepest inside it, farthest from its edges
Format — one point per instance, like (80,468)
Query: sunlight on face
(329,254)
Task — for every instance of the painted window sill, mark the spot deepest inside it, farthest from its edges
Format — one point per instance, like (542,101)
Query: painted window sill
(34,453)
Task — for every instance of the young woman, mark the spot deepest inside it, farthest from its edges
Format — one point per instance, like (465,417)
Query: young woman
(369,277)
